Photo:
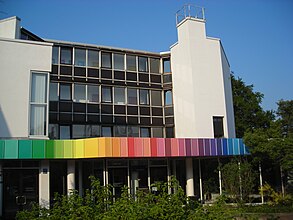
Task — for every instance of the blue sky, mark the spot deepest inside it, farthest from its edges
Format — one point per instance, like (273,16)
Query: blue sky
(257,34)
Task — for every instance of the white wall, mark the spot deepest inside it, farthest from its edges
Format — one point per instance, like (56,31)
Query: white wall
(198,82)
(17,59)
(10,28)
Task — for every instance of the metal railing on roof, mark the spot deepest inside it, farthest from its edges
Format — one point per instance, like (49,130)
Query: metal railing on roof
(190,11)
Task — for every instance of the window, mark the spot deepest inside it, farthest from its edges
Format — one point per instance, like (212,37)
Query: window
(53,131)
(78,131)
(106,131)
(144,132)
(169,132)
(144,97)
(158,132)
(119,95)
(168,98)
(93,131)
(167,78)
(132,96)
(66,55)
(79,58)
(133,131)
(106,60)
(55,55)
(155,65)
(142,64)
(93,93)
(119,61)
(131,62)
(53,92)
(65,132)
(120,131)
(218,127)
(79,93)
(156,98)
(167,65)
(93,58)
(65,91)
(107,94)
(38,104)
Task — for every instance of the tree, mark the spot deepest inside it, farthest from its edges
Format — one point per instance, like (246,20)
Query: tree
(285,112)
(248,112)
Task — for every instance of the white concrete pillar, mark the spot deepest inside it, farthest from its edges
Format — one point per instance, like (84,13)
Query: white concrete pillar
(168,176)
(149,175)
(70,176)
(189,177)
(220,177)
(1,190)
(260,183)
(44,184)
(200,181)
(80,184)
(128,177)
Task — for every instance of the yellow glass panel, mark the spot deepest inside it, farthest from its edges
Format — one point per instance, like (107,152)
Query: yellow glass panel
(78,148)
(109,150)
(91,147)
(102,147)
(68,149)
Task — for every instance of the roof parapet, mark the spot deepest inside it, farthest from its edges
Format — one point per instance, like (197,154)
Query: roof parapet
(190,11)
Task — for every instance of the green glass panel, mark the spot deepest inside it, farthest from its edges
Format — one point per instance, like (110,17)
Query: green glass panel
(58,149)
(2,145)
(25,150)
(50,149)
(39,148)
(68,149)
(11,149)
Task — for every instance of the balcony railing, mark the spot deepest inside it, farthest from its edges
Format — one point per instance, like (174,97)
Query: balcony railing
(190,11)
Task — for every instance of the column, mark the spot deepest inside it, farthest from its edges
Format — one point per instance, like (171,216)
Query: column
(44,184)
(220,177)
(70,176)
(200,181)
(260,183)
(189,177)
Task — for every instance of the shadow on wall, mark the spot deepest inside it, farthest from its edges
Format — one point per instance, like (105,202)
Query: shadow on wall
(4,130)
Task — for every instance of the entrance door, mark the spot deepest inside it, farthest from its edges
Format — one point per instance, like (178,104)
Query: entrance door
(118,179)
(20,190)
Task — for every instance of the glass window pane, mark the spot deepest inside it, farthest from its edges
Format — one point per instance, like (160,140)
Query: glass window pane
(168,98)
(65,132)
(93,58)
(144,97)
(156,98)
(78,131)
(132,96)
(168,78)
(106,60)
(119,61)
(55,55)
(39,88)
(144,132)
(167,66)
(158,132)
(79,58)
(106,131)
(79,93)
(119,95)
(93,93)
(142,64)
(133,131)
(106,94)
(93,131)
(65,92)
(38,120)
(155,65)
(131,62)
(169,132)
(120,131)
(66,55)
(53,131)
(53,93)
(218,127)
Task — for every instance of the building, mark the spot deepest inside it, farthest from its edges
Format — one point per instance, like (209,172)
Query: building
(70,110)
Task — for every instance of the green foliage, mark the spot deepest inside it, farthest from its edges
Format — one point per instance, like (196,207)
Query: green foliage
(248,112)
(238,180)
(274,198)
(285,112)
